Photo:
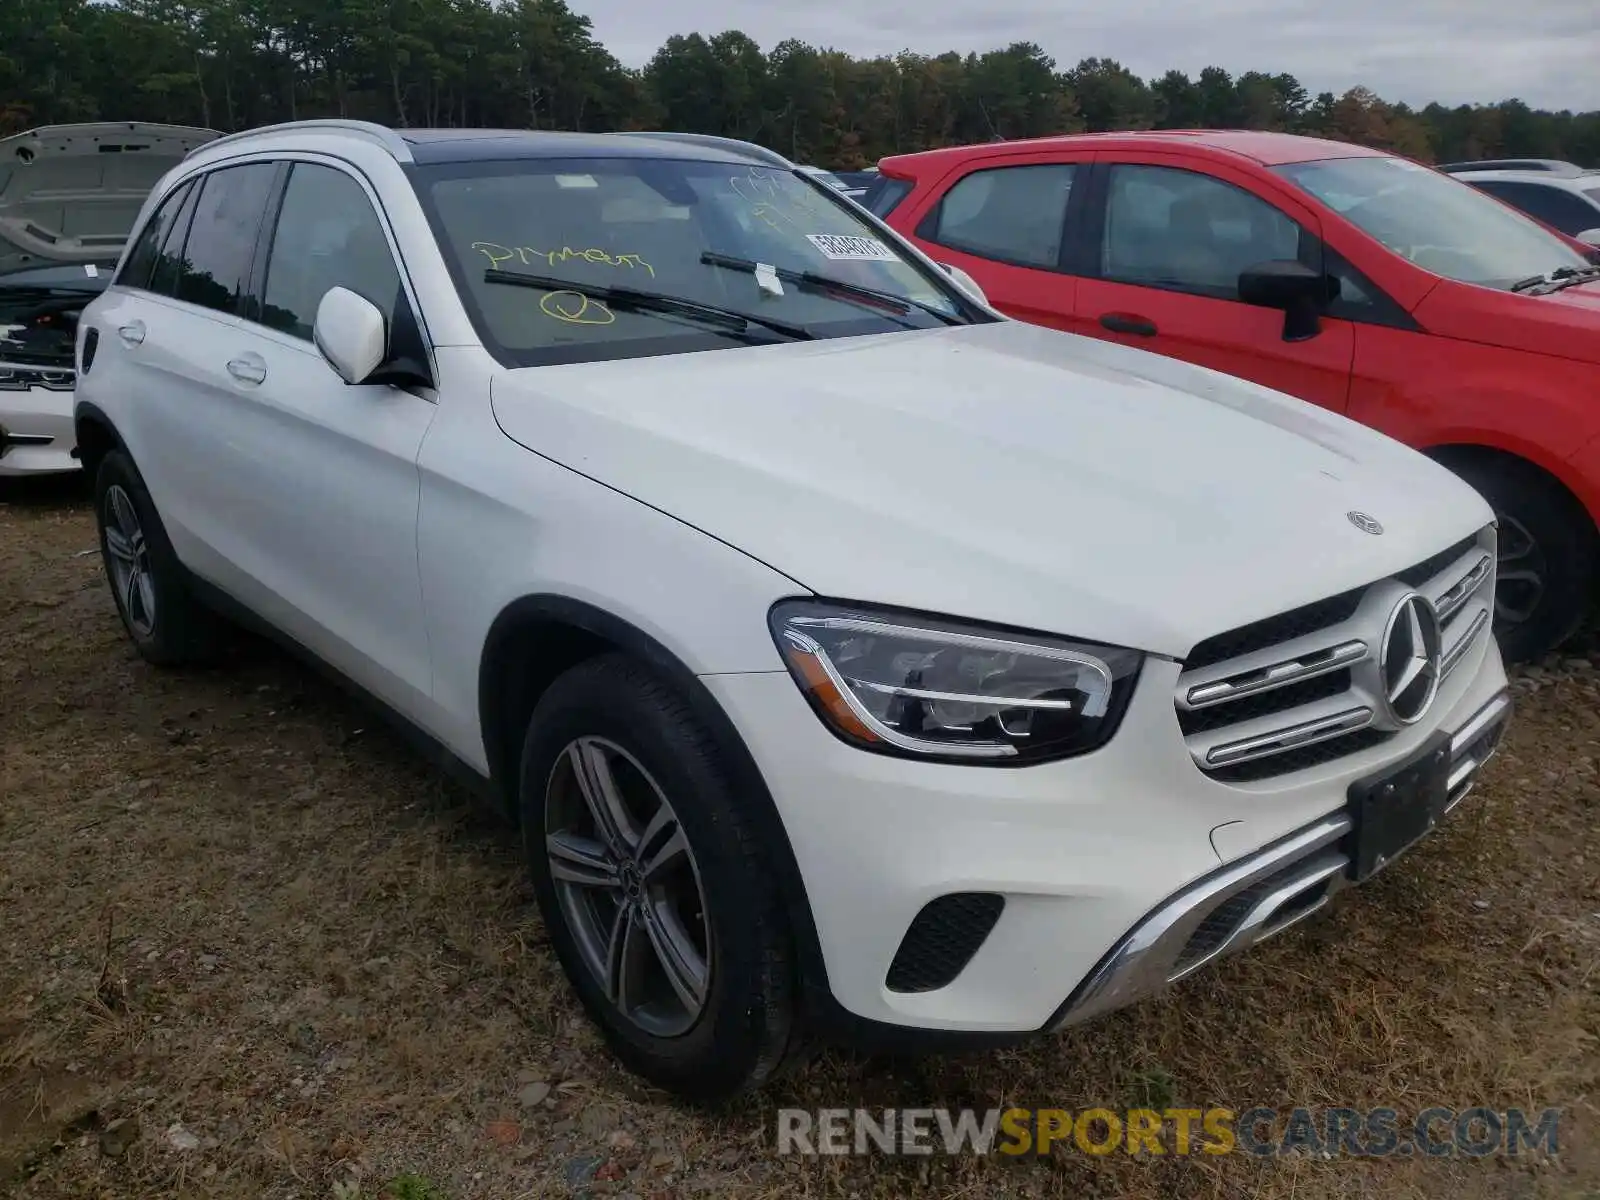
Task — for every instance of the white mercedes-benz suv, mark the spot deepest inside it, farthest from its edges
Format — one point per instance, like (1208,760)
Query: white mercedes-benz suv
(855,661)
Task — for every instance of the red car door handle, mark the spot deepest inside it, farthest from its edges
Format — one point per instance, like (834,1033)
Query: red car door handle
(1128,323)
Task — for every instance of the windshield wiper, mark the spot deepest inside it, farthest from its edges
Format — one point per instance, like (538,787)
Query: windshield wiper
(627,298)
(1561,277)
(900,304)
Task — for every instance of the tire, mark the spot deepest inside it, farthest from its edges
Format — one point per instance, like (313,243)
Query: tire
(720,895)
(167,626)
(1547,573)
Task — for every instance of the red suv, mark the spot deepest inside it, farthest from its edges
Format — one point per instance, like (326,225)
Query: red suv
(1351,278)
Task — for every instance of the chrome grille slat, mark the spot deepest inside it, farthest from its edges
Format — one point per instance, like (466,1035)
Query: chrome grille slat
(1274,739)
(1287,670)
(1456,594)
(22,377)
(1258,705)
(1456,650)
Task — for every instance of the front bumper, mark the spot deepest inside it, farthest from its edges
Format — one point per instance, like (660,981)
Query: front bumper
(1080,877)
(36,430)
(1260,895)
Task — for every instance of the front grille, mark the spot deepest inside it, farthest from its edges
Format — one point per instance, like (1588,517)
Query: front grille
(1425,570)
(942,940)
(1304,687)
(22,377)
(1282,628)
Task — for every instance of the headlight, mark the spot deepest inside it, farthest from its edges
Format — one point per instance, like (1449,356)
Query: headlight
(923,687)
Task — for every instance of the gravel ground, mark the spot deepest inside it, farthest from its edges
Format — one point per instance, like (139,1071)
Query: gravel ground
(250,947)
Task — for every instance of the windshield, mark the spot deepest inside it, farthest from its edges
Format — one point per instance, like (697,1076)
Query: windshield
(1439,223)
(670,228)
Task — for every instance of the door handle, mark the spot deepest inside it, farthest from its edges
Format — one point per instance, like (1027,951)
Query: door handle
(132,334)
(1128,323)
(247,368)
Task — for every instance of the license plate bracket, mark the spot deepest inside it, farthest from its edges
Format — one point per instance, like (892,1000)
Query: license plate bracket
(1392,810)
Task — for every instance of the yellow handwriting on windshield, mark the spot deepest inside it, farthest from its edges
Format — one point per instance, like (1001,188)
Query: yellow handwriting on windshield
(576,309)
(499,255)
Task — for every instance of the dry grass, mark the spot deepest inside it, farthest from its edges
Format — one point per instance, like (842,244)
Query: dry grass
(237,913)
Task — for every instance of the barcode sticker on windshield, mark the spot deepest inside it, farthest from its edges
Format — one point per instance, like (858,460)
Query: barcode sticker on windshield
(845,247)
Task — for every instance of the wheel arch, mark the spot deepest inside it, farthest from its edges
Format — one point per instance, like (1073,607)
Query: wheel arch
(96,436)
(1460,452)
(536,638)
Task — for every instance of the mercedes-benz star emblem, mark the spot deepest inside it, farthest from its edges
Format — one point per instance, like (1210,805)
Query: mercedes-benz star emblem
(1409,661)
(1365,523)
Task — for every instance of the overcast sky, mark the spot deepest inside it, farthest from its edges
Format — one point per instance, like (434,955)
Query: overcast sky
(1456,51)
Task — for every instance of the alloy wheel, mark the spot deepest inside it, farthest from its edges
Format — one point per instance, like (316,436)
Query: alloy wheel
(1519,573)
(628,886)
(129,556)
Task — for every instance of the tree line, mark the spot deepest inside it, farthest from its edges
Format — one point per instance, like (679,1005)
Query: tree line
(233,64)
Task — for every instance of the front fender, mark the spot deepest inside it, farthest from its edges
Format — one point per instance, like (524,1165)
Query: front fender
(1433,392)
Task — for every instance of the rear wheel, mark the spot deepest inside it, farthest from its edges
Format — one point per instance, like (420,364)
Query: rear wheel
(1547,569)
(167,625)
(653,886)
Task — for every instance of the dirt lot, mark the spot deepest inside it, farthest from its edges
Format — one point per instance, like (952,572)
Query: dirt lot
(240,918)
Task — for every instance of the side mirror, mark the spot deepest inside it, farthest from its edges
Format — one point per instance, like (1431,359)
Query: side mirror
(1299,291)
(966,283)
(1589,237)
(350,332)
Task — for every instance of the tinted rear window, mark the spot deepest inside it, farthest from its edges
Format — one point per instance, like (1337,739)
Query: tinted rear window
(222,236)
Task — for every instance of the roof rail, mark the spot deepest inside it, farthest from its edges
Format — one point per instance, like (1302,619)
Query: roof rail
(1553,166)
(381,134)
(716,142)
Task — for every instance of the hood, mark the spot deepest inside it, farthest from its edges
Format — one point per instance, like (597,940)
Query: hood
(1564,324)
(71,193)
(1005,473)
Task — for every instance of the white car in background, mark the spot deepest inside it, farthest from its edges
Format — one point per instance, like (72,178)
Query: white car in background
(828,179)
(69,194)
(1562,195)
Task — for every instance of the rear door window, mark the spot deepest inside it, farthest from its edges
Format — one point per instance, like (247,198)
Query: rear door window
(217,257)
(1012,215)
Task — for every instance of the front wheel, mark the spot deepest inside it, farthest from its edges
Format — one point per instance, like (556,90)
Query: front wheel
(1547,570)
(653,885)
